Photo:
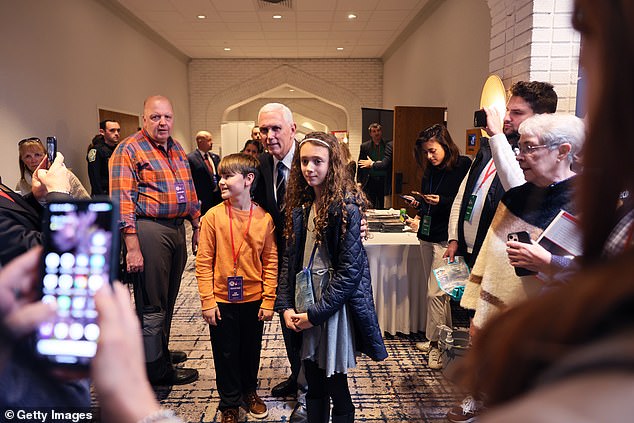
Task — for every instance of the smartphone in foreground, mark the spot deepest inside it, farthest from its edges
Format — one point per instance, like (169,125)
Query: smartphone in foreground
(524,237)
(51,149)
(81,254)
(480,119)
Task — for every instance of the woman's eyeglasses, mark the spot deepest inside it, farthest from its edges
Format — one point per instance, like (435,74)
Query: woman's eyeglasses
(529,149)
(32,139)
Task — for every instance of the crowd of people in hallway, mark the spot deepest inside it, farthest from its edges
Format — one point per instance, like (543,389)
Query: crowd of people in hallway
(278,228)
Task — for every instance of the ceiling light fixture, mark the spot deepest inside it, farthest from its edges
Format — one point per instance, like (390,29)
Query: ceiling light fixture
(340,48)
(291,90)
(277,16)
(352,16)
(227,49)
(202,16)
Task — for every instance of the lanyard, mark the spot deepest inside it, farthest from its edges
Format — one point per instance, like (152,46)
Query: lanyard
(233,249)
(488,173)
(431,190)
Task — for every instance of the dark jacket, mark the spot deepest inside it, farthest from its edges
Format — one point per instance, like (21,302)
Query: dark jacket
(384,165)
(494,195)
(350,283)
(264,195)
(21,223)
(98,173)
(204,182)
(444,183)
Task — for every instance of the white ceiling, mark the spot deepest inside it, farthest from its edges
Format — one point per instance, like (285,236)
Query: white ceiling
(307,29)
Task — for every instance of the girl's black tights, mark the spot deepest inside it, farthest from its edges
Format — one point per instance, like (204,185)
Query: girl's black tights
(322,387)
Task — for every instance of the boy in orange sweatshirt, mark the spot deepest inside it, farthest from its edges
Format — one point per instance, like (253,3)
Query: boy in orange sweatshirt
(236,269)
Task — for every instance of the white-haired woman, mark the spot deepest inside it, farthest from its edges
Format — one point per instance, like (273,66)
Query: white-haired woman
(547,146)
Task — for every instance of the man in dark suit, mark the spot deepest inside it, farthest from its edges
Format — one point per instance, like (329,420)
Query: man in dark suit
(277,130)
(375,167)
(204,167)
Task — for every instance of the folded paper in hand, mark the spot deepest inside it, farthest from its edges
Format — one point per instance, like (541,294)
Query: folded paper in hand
(452,277)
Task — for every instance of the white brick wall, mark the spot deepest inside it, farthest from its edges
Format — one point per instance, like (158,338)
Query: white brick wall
(216,85)
(533,40)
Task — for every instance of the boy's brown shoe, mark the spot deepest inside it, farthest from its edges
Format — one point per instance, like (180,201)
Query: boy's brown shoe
(255,406)
(230,415)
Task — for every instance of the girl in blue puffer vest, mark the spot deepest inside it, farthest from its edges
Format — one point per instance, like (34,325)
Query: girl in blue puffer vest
(324,287)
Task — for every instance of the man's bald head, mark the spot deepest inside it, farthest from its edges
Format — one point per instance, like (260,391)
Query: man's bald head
(204,141)
(158,118)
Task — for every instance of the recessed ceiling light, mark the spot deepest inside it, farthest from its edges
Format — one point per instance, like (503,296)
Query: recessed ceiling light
(202,16)
(340,48)
(352,16)
(277,16)
(227,49)
(291,90)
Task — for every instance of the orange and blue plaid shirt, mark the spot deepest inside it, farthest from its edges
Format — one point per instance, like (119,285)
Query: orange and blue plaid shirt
(143,178)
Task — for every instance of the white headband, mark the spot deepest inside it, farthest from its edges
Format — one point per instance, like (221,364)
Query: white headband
(317,140)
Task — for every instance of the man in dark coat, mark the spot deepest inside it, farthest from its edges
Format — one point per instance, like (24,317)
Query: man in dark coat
(375,167)
(204,167)
(277,130)
(99,154)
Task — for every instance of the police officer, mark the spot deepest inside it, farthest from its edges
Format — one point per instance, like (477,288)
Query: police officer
(99,154)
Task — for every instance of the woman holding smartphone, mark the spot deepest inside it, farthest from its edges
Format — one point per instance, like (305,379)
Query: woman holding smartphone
(443,169)
(31,153)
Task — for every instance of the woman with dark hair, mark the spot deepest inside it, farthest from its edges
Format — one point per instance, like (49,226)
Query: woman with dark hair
(253,148)
(443,170)
(569,355)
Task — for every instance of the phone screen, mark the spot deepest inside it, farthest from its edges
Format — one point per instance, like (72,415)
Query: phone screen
(80,256)
(51,149)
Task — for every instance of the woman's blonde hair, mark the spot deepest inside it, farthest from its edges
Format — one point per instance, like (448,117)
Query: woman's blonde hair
(24,146)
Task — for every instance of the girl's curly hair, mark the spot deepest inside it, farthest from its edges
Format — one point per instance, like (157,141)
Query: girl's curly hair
(338,187)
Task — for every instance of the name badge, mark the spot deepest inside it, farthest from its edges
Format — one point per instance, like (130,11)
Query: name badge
(235,284)
(469,210)
(181,196)
(425,225)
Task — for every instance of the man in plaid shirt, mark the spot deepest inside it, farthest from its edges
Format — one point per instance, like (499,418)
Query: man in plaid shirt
(151,179)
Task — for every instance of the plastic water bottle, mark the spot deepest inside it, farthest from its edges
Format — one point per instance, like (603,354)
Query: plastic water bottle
(403,215)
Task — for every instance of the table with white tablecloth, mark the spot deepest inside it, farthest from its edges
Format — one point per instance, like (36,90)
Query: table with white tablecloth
(400,294)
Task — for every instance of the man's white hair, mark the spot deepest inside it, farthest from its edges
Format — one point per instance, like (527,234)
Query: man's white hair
(277,107)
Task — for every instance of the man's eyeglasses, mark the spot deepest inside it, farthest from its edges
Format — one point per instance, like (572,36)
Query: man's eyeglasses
(529,149)
(32,139)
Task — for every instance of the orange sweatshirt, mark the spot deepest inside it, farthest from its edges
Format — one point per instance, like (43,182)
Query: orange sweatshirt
(257,257)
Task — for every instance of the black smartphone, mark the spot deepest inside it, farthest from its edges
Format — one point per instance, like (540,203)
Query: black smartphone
(409,197)
(51,149)
(480,119)
(81,254)
(524,237)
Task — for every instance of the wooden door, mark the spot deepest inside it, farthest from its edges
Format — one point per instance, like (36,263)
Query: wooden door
(129,123)
(406,175)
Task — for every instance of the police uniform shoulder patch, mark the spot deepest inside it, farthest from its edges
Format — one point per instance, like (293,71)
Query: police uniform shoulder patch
(92,155)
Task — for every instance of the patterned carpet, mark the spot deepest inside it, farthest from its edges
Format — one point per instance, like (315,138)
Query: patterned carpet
(400,389)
